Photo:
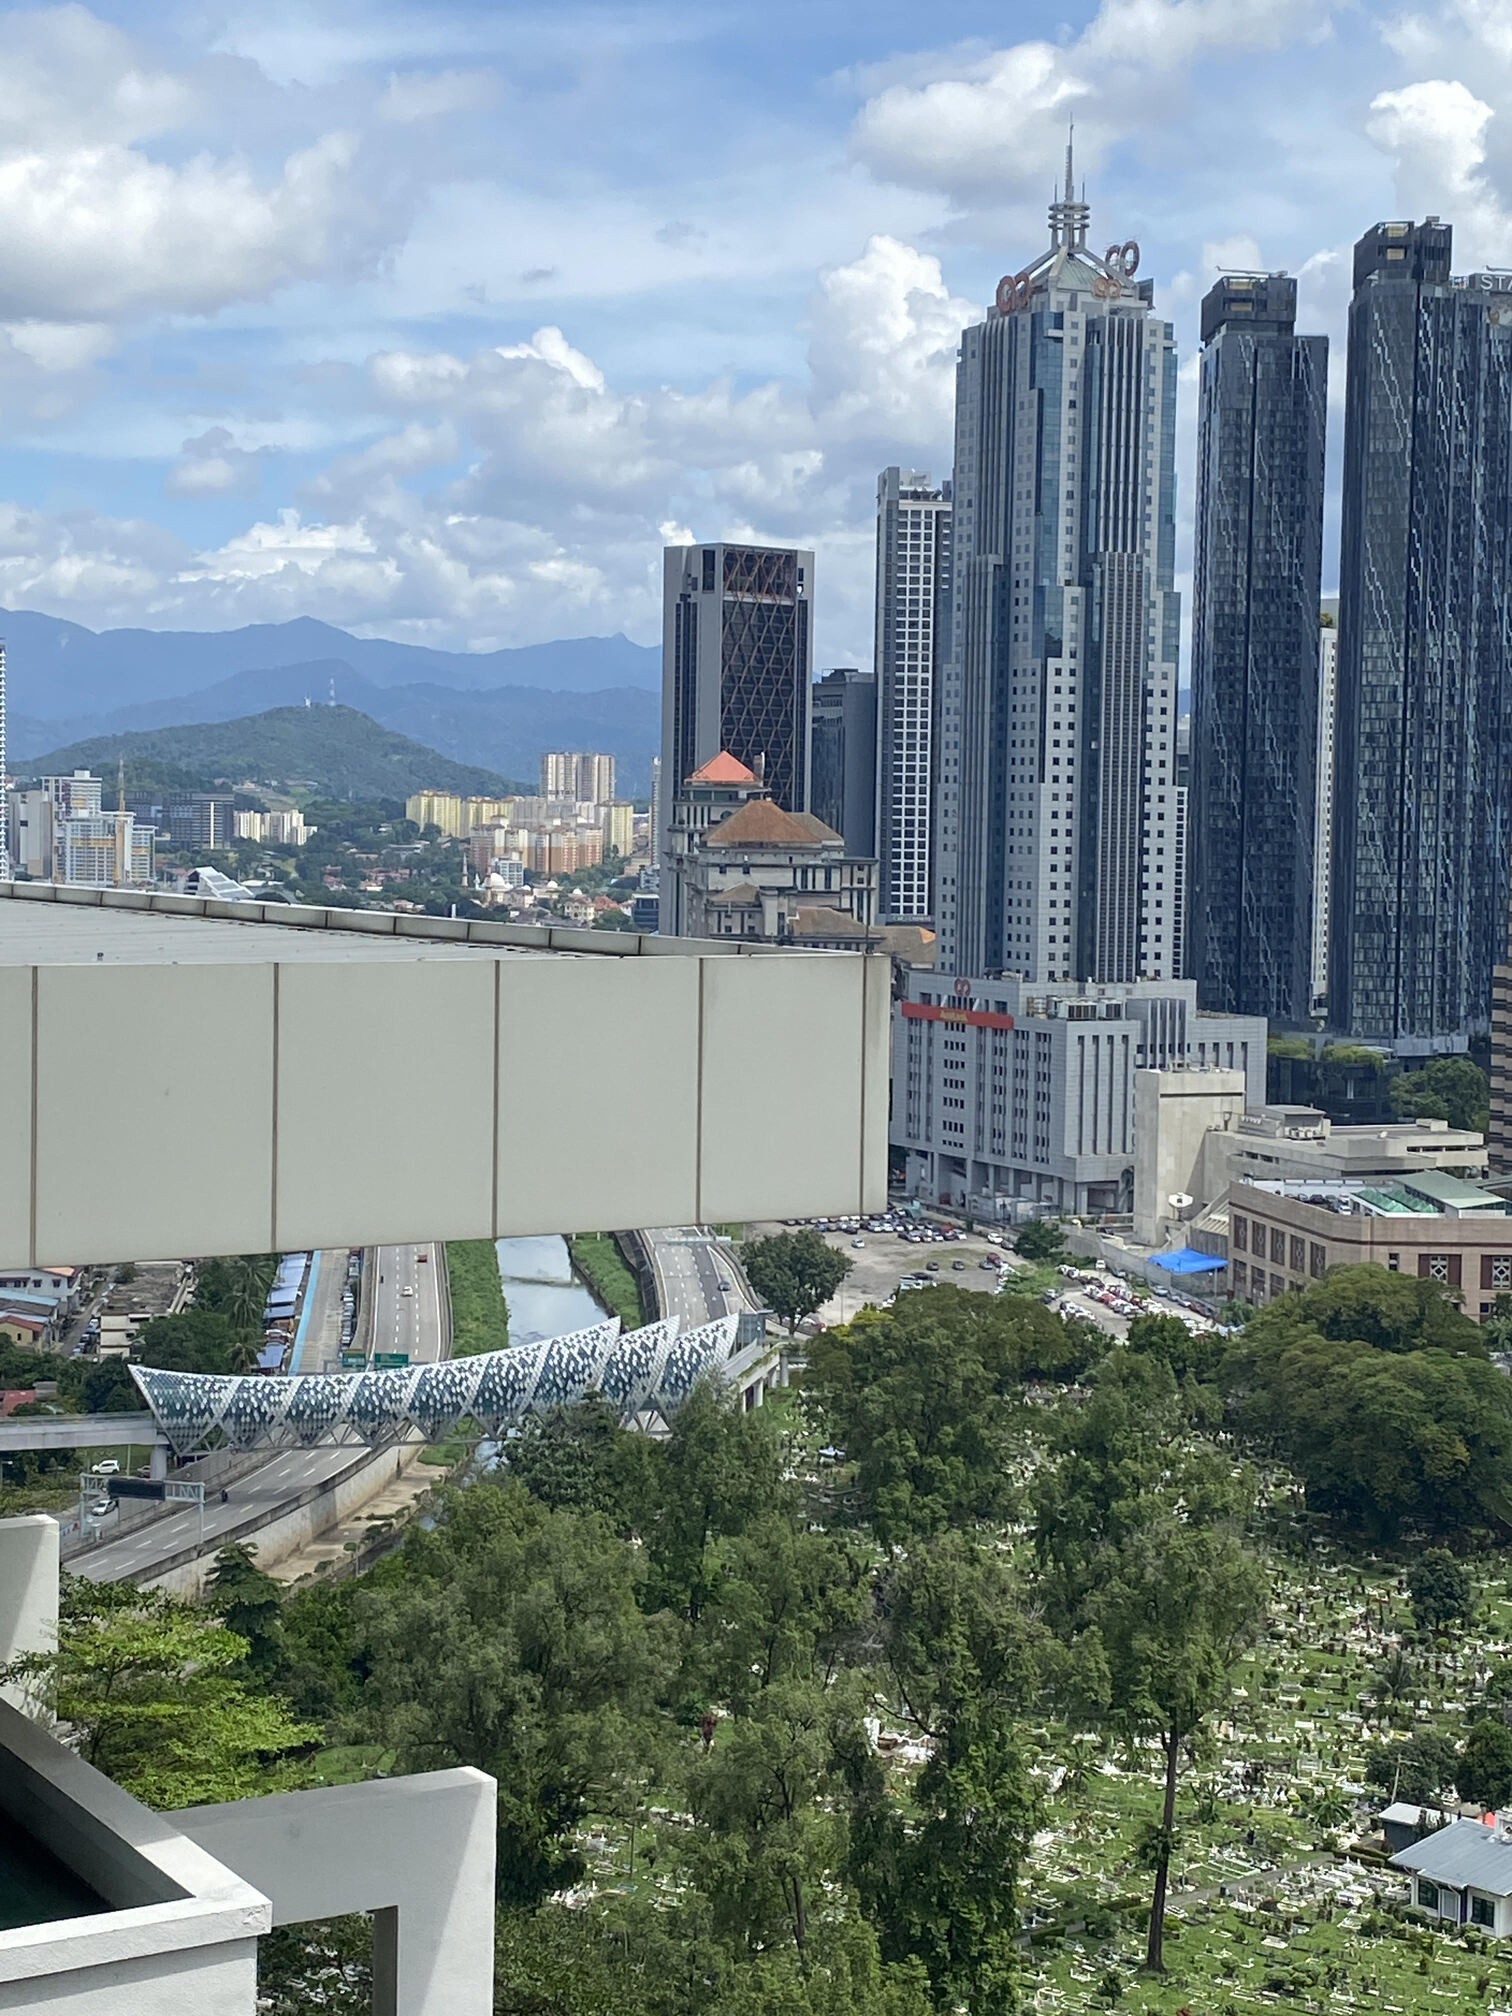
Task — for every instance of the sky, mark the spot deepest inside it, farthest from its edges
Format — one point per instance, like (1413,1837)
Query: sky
(439,322)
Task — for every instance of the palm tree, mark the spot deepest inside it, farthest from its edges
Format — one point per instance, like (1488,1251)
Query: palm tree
(1395,1681)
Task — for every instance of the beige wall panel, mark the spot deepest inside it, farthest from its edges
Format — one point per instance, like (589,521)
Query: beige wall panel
(154,1103)
(784,1039)
(877,1107)
(598,1105)
(15,1115)
(385,1098)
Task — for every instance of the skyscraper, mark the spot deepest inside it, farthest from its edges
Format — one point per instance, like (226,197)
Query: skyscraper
(1058,830)
(583,774)
(1328,719)
(1421,829)
(843,757)
(913,613)
(1256,580)
(737,662)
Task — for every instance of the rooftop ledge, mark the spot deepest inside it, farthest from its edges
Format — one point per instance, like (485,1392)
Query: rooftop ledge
(182,1075)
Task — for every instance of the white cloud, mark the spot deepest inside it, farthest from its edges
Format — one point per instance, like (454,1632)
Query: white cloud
(420,94)
(1436,131)
(212,464)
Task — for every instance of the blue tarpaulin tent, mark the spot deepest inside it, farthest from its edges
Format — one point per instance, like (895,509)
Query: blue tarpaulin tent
(1187,1260)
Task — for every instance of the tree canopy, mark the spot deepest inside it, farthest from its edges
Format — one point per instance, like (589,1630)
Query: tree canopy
(794,1273)
(1446,1088)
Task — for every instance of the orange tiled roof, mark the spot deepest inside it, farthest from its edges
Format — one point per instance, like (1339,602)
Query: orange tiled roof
(723,769)
(760,823)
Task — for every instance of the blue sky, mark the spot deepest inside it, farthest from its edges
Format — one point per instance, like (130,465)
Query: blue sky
(436,322)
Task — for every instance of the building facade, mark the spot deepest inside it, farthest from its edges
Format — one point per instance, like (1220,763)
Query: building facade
(1328,729)
(1423,825)
(913,624)
(1007,1093)
(1263,397)
(737,664)
(843,756)
(1282,1235)
(1058,832)
(578,773)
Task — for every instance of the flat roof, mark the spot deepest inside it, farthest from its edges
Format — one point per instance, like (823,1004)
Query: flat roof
(1465,1854)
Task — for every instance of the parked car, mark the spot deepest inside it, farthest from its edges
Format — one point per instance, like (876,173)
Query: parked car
(958,1266)
(933,1266)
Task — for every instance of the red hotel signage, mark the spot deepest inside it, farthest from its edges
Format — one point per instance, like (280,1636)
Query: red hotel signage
(976,1018)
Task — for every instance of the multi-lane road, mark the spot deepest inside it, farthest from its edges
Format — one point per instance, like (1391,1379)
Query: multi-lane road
(398,1321)
(694,1280)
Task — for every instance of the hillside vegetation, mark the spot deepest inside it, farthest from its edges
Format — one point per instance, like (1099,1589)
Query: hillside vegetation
(333,751)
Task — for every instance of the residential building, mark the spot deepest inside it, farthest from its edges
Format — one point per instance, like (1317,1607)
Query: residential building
(557,849)
(742,867)
(198,822)
(1058,828)
(1262,413)
(737,665)
(578,773)
(1499,1133)
(1461,1874)
(658,823)
(454,816)
(282,829)
(1440,1228)
(912,626)
(1423,826)
(107,850)
(1328,726)
(1009,1094)
(619,826)
(843,756)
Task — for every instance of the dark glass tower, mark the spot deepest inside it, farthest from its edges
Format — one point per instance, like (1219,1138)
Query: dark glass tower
(1419,910)
(1258,560)
(843,757)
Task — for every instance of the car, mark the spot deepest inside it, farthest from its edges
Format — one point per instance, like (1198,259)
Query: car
(724,1286)
(858,1244)
(407,1289)
(988,1266)
(958,1266)
(423,1258)
(100,1508)
(107,1467)
(933,1266)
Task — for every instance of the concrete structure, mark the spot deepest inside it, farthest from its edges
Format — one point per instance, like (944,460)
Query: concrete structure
(1263,402)
(585,774)
(1328,732)
(740,867)
(321,1009)
(737,666)
(912,633)
(1174,1112)
(1499,1136)
(1282,1235)
(843,757)
(1423,861)
(1059,828)
(1461,1875)
(1010,1097)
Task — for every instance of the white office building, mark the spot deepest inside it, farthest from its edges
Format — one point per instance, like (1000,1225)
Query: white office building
(1011,1095)
(913,613)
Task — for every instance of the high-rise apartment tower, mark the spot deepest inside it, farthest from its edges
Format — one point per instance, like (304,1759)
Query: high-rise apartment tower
(586,775)
(1059,826)
(913,618)
(1422,830)
(1256,578)
(1327,748)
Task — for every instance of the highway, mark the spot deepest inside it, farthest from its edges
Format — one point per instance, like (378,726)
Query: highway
(398,1322)
(689,1267)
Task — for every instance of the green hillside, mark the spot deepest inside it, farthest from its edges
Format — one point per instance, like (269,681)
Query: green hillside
(333,752)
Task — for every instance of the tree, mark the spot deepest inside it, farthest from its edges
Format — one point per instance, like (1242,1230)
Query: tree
(1483,1774)
(1447,1088)
(1040,1239)
(159,1699)
(1147,1574)
(579,1457)
(1417,1768)
(511,1640)
(251,1603)
(1440,1590)
(794,1273)
(1189,1353)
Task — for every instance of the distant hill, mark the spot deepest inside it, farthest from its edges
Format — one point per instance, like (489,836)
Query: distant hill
(59,671)
(334,751)
(506,727)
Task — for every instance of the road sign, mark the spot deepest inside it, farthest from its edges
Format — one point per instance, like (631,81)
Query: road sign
(389,1361)
(353,1361)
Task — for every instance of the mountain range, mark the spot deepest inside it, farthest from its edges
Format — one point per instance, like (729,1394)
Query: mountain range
(500,709)
(334,751)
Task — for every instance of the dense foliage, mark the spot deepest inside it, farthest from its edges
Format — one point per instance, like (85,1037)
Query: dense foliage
(794,1273)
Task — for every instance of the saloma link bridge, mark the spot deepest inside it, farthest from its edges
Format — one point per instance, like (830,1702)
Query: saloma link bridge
(650,1371)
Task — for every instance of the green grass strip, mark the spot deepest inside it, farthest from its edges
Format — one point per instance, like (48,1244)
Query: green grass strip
(480,1315)
(598,1259)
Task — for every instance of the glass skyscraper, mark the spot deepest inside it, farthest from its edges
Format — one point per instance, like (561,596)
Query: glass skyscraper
(1419,912)
(913,611)
(1256,583)
(1060,822)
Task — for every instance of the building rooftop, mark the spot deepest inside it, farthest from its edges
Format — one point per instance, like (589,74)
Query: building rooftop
(760,823)
(1465,1854)
(1427,1193)
(723,769)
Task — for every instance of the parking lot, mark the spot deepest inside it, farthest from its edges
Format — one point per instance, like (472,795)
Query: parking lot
(884,1257)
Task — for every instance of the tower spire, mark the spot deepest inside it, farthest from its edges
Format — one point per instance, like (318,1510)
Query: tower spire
(1068,217)
(1070,142)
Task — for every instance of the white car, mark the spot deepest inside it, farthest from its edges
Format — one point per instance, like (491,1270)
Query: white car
(407,1291)
(858,1244)
(107,1467)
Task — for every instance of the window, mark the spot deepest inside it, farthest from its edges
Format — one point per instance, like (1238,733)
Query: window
(1298,1255)
(1443,1267)
(1428,1894)
(1317,1261)
(1496,1270)
(1239,1235)
(1483,1912)
(1241,1277)
(1278,1284)
(1278,1247)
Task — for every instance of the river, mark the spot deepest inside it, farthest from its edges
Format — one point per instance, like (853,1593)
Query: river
(545,1297)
